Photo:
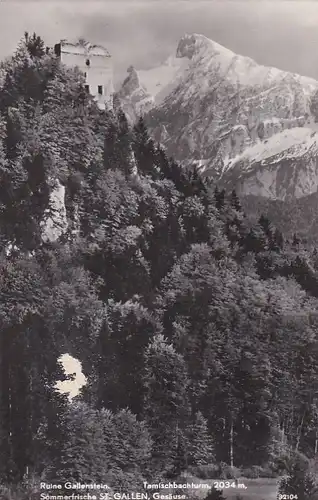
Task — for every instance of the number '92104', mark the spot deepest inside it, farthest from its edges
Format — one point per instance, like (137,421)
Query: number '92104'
(287,497)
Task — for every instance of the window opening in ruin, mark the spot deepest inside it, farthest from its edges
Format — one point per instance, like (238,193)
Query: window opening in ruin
(100,89)
(88,62)
(87,88)
(57,49)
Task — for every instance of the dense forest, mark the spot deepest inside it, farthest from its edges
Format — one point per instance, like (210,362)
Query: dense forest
(196,330)
(290,216)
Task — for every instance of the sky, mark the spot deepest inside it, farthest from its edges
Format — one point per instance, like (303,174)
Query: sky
(279,33)
(73,369)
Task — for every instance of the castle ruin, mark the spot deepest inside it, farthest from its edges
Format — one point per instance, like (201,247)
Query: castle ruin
(94,61)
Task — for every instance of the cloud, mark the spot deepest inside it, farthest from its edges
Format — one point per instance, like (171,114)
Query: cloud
(278,33)
(18,17)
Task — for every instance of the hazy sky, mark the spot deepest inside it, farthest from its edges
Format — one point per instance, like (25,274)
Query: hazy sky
(279,33)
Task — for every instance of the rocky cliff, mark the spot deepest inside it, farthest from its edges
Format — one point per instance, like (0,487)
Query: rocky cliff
(134,99)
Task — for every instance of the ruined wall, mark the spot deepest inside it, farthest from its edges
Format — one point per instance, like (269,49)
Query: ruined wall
(96,64)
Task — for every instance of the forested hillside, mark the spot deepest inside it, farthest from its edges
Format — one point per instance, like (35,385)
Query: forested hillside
(291,216)
(197,333)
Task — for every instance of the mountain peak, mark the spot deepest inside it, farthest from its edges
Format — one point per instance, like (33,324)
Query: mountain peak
(209,57)
(192,44)
(248,125)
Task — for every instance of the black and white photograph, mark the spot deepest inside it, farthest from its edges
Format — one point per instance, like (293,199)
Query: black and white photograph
(159,250)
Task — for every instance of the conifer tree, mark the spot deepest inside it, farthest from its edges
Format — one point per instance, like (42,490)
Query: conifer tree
(278,240)
(122,341)
(235,202)
(200,445)
(84,455)
(144,150)
(219,198)
(266,225)
(180,460)
(35,45)
(256,240)
(166,404)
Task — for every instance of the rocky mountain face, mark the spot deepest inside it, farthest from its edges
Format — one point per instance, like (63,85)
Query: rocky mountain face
(281,167)
(133,97)
(247,125)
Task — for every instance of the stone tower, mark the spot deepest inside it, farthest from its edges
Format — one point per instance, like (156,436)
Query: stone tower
(96,64)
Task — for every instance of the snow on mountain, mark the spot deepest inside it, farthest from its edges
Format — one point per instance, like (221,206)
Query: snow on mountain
(291,143)
(230,115)
(162,80)
(281,167)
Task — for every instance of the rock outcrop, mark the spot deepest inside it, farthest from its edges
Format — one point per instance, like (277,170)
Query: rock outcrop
(55,221)
(133,97)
